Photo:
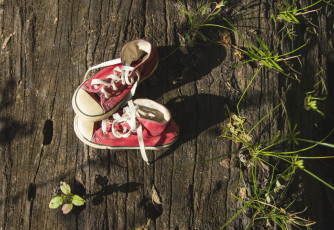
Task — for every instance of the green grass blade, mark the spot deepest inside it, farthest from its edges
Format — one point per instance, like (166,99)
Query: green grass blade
(263,45)
(268,64)
(266,162)
(328,3)
(238,32)
(204,38)
(310,5)
(316,157)
(242,63)
(261,53)
(253,56)
(189,16)
(243,94)
(233,217)
(290,204)
(286,54)
(184,8)
(185,11)
(264,117)
(215,25)
(285,18)
(318,178)
(317,142)
(276,65)
(216,12)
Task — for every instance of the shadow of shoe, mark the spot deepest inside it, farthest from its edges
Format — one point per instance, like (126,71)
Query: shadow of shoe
(180,68)
(9,126)
(194,115)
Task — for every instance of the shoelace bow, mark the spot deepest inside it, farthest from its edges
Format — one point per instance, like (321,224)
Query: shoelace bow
(129,116)
(124,77)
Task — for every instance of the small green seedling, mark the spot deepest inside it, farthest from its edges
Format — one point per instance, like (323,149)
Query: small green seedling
(69,198)
(310,102)
(290,13)
(203,17)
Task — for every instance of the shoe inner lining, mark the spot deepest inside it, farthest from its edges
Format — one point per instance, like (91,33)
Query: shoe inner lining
(135,50)
(153,111)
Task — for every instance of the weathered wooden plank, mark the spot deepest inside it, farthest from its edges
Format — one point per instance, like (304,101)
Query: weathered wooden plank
(47,47)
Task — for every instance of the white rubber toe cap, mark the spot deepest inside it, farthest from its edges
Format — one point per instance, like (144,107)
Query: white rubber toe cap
(87,105)
(86,128)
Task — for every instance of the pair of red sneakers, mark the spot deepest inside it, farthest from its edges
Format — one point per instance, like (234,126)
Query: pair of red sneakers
(100,120)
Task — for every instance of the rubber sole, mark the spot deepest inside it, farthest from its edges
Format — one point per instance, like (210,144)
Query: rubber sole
(98,146)
(109,113)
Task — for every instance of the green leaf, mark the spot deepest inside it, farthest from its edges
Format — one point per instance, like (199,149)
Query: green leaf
(56,202)
(205,8)
(67,208)
(273,17)
(65,188)
(77,200)
(285,18)
(294,18)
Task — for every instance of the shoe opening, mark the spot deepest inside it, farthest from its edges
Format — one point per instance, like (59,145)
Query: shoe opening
(134,51)
(153,111)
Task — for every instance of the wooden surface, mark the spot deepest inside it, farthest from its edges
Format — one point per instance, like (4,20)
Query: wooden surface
(46,48)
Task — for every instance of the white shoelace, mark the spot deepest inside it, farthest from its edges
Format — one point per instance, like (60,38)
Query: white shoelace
(124,77)
(129,116)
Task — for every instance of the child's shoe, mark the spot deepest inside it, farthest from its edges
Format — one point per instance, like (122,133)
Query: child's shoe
(101,95)
(143,124)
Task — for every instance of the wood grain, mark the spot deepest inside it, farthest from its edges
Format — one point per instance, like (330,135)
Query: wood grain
(46,48)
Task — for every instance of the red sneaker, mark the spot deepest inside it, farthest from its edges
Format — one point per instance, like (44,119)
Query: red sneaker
(143,124)
(101,95)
